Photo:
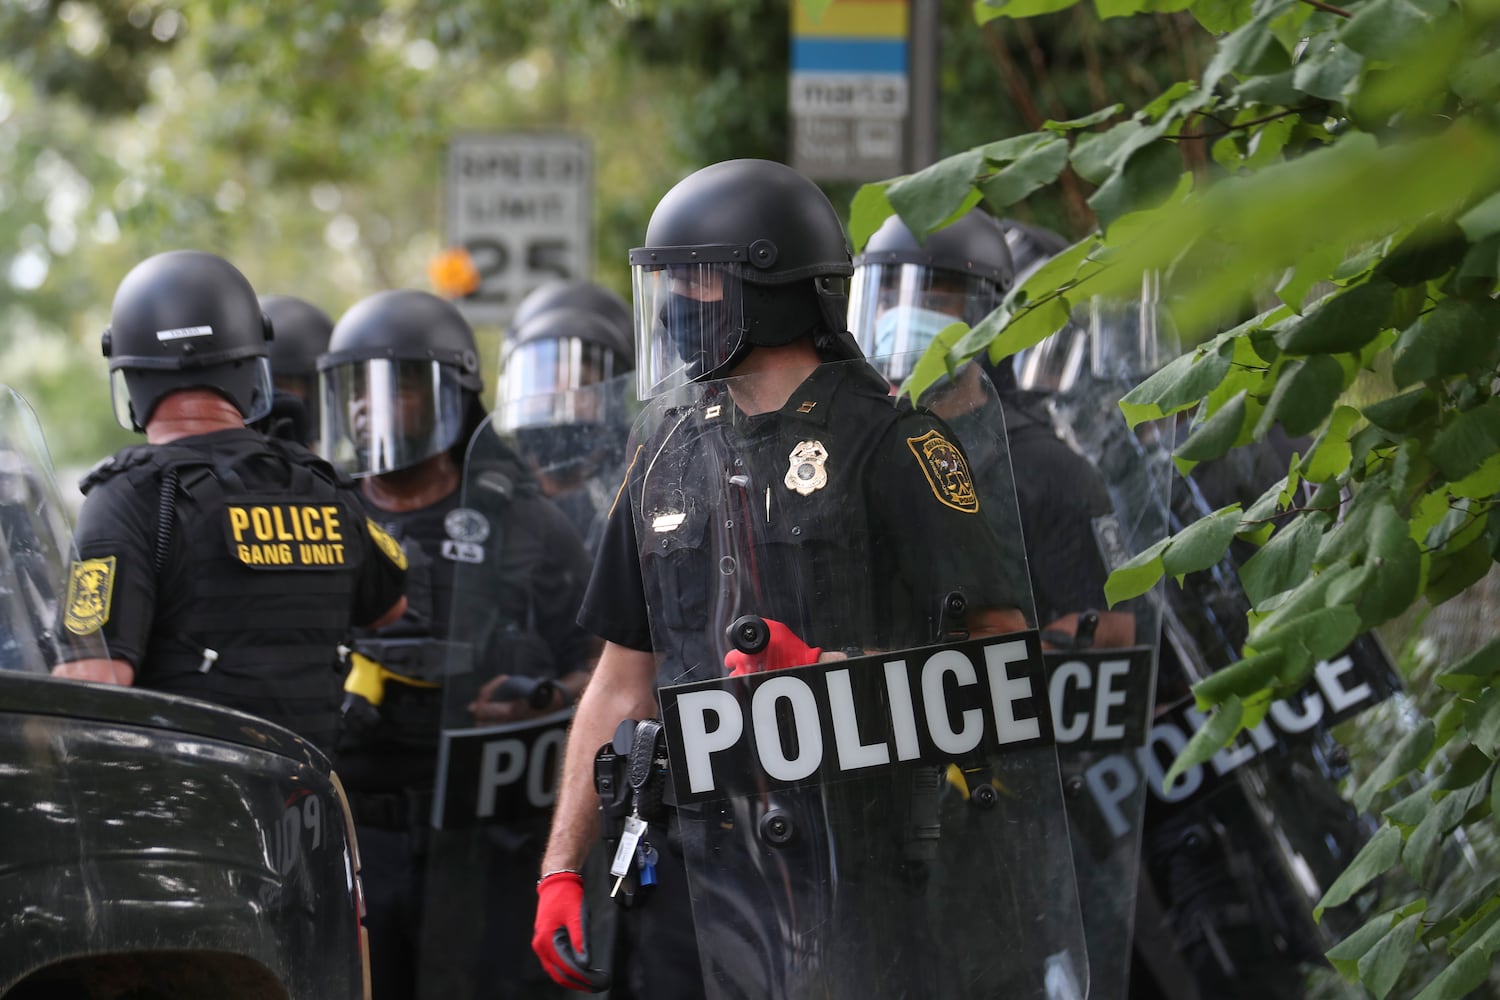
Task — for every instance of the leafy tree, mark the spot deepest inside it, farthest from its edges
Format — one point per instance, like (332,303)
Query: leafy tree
(1346,220)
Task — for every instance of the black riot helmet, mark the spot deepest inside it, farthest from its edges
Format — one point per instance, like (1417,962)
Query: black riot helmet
(1055,361)
(739,254)
(583,295)
(301,334)
(905,291)
(186,320)
(550,358)
(399,381)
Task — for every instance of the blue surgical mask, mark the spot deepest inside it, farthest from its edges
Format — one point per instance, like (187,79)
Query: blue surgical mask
(905,329)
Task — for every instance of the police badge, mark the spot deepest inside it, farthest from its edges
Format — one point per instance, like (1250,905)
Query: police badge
(806,472)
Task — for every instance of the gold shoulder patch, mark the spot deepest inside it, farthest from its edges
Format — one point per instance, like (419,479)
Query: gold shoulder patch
(386,543)
(91,586)
(946,471)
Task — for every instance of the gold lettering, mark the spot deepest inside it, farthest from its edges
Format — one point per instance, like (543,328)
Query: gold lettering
(338,554)
(295,535)
(238,522)
(257,558)
(283,554)
(310,528)
(243,553)
(331,525)
(260,520)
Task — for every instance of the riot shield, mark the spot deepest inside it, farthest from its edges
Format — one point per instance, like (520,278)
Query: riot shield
(38,593)
(1103,669)
(496,780)
(883,817)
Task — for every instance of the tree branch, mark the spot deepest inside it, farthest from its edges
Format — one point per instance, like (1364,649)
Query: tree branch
(1235,128)
(1330,8)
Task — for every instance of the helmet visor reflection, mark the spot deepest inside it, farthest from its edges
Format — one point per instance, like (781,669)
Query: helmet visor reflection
(382,415)
(540,373)
(689,322)
(896,310)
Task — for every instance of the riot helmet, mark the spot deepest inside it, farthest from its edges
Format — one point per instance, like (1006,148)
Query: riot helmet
(739,254)
(301,334)
(398,380)
(186,320)
(583,295)
(549,358)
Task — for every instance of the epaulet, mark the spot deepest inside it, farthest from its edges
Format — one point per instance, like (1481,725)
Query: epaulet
(120,462)
(493,486)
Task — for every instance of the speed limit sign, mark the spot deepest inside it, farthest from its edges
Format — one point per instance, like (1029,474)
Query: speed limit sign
(520,204)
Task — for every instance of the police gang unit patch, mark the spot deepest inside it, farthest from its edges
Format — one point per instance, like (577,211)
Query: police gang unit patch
(387,545)
(287,535)
(91,585)
(848,718)
(947,472)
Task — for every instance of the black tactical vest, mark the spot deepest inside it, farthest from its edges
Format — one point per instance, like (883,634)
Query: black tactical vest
(257,556)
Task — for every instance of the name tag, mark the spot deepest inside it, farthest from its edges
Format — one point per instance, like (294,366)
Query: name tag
(288,535)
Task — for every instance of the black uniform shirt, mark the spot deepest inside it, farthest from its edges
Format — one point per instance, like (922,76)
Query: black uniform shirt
(264,562)
(862,558)
(505,575)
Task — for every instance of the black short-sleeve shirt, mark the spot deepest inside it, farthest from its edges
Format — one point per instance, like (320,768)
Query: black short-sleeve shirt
(842,514)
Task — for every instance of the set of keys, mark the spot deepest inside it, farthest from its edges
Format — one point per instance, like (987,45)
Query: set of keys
(634,849)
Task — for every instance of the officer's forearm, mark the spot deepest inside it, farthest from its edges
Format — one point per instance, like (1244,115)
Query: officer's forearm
(621,688)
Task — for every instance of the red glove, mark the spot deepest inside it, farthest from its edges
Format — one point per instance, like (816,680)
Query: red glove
(785,649)
(557,937)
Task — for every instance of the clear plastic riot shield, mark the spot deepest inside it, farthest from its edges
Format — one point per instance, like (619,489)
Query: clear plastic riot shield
(867,801)
(505,718)
(1095,494)
(42,586)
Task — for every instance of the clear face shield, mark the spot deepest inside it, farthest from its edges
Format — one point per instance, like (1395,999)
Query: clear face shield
(382,415)
(541,383)
(689,318)
(250,378)
(896,310)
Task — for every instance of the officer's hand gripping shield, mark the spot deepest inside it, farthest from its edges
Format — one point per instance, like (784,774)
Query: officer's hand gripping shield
(1066,425)
(505,720)
(888,821)
(51,603)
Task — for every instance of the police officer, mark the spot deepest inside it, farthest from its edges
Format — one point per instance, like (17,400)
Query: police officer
(743,277)
(302,332)
(904,293)
(562,394)
(401,381)
(217,562)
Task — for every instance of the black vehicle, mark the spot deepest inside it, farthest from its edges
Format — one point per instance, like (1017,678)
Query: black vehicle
(154,846)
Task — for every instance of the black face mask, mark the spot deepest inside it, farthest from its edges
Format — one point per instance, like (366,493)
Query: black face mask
(705,335)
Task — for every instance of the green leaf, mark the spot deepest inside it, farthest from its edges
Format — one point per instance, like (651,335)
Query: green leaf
(1373,860)
(1427,252)
(1030,327)
(1250,48)
(1470,438)
(1283,562)
(1449,340)
(934,363)
(1211,737)
(1401,413)
(1216,435)
(1454,572)
(1177,385)
(1328,72)
(1136,576)
(984,12)
(1330,453)
(867,213)
(1407,755)
(1087,121)
(928,198)
(1305,393)
(1219,17)
(1242,679)
(1482,719)
(1344,322)
(1202,543)
(1345,955)
(1143,182)
(1035,169)
(1324,633)
(1382,965)
(1422,847)
(1481,264)
(1467,972)
(1093,154)
(1474,672)
(1384,29)
(1482,220)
